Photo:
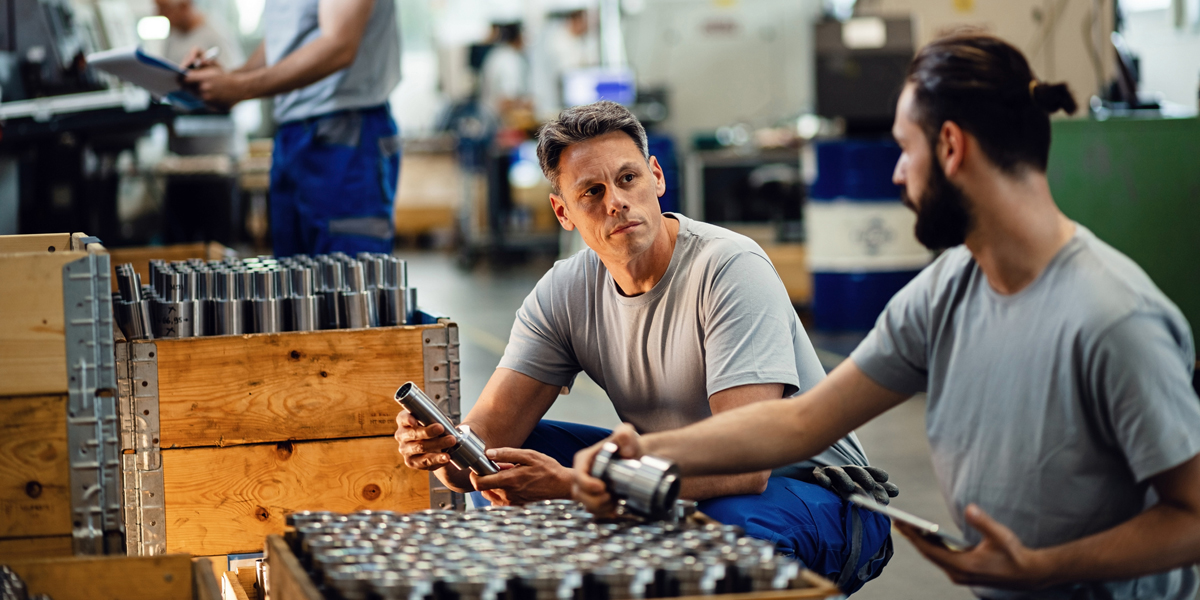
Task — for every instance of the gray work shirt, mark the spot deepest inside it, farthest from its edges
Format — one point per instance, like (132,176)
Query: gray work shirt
(719,318)
(290,24)
(1049,408)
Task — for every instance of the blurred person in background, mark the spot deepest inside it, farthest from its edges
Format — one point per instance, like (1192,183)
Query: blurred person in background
(336,159)
(504,90)
(192,30)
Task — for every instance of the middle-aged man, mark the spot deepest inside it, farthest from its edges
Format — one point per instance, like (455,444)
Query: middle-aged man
(336,159)
(1058,376)
(676,320)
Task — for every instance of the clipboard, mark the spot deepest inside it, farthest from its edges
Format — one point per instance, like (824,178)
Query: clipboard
(160,77)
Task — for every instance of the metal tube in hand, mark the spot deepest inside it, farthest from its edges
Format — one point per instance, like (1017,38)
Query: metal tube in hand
(468,453)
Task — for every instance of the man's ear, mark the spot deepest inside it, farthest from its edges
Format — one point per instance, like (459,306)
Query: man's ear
(951,148)
(660,180)
(561,213)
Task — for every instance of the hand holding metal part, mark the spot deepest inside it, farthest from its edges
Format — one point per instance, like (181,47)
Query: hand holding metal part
(604,481)
(468,451)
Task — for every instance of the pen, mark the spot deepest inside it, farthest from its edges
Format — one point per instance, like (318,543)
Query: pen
(208,55)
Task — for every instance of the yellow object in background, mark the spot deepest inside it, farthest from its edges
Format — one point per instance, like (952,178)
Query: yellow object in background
(964,6)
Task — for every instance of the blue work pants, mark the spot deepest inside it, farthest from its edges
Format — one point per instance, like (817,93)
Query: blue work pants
(333,183)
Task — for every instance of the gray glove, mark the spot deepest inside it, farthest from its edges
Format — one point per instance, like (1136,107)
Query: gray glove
(852,479)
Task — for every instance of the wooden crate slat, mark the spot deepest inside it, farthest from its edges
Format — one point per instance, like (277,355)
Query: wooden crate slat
(34,476)
(227,500)
(267,388)
(204,584)
(42,547)
(109,577)
(287,579)
(33,356)
(35,242)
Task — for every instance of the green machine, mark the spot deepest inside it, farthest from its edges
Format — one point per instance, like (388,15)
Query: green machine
(1136,184)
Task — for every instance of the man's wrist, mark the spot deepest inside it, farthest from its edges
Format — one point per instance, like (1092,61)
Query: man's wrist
(244,85)
(1042,567)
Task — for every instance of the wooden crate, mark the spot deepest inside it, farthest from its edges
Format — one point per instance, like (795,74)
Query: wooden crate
(36,383)
(225,436)
(170,577)
(287,580)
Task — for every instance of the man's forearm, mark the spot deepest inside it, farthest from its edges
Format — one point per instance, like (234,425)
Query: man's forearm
(714,486)
(772,433)
(310,63)
(1160,539)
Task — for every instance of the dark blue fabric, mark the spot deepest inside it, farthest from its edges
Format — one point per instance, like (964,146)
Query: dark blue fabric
(805,521)
(316,178)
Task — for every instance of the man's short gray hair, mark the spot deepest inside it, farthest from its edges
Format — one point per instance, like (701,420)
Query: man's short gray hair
(583,123)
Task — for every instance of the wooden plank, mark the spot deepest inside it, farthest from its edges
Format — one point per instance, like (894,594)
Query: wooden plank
(35,547)
(141,256)
(228,390)
(204,584)
(35,242)
(249,578)
(231,587)
(109,577)
(33,357)
(227,500)
(34,474)
(286,578)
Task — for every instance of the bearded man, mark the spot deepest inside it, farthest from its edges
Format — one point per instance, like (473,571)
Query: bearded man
(1058,375)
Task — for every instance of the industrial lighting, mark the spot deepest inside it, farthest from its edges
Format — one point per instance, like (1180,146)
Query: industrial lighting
(864,33)
(153,28)
(249,15)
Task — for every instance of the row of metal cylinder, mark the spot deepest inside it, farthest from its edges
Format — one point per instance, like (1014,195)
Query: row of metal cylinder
(545,551)
(264,295)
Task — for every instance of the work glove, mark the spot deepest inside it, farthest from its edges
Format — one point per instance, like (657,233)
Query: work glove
(852,479)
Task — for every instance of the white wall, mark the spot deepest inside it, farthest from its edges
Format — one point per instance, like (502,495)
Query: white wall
(1170,57)
(725,61)
(1057,53)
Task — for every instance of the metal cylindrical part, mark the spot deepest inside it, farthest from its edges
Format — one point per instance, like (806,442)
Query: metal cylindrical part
(648,485)
(134,319)
(227,317)
(393,306)
(172,319)
(410,305)
(358,303)
(268,316)
(468,453)
(305,313)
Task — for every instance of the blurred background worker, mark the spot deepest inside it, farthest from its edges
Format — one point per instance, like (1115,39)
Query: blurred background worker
(336,158)
(200,196)
(192,29)
(504,77)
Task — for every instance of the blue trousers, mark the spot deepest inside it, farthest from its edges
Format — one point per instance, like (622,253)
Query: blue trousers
(805,521)
(333,183)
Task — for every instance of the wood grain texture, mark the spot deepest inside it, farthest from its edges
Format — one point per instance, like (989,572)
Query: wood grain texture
(231,587)
(228,390)
(35,547)
(227,500)
(35,242)
(204,584)
(109,577)
(33,355)
(141,256)
(286,578)
(34,473)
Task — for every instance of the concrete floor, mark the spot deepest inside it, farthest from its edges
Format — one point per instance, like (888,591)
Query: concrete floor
(483,303)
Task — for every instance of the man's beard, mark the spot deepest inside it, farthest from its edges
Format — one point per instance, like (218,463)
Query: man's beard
(944,216)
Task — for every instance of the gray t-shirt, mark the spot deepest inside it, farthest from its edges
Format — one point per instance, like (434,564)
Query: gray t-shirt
(719,318)
(1049,408)
(290,24)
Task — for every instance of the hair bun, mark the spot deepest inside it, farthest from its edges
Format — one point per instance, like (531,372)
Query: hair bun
(1053,97)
